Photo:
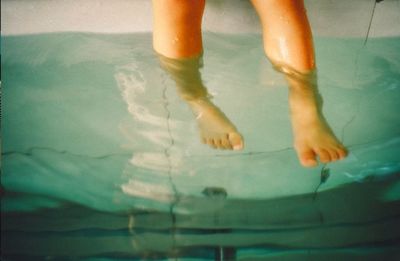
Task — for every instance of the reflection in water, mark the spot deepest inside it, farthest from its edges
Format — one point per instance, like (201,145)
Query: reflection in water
(149,127)
(330,224)
(157,161)
(148,190)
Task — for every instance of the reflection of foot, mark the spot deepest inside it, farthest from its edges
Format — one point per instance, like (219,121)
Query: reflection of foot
(312,135)
(216,129)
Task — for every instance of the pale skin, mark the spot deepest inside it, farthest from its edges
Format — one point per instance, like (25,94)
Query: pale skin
(288,43)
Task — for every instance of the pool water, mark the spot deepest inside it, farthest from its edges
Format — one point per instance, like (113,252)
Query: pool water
(101,159)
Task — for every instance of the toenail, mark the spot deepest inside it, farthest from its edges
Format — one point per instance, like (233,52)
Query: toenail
(237,147)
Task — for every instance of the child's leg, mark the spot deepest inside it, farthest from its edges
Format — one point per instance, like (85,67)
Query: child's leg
(286,33)
(177,38)
(177,27)
(288,43)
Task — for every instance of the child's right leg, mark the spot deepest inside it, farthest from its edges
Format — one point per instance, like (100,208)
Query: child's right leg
(177,38)
(177,27)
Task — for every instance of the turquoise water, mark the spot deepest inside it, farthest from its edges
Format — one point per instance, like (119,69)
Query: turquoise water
(101,159)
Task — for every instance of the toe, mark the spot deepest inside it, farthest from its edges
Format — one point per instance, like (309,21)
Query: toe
(225,143)
(342,152)
(210,142)
(323,155)
(333,154)
(218,143)
(307,158)
(236,141)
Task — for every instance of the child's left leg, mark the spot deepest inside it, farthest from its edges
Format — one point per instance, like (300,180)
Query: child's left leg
(288,43)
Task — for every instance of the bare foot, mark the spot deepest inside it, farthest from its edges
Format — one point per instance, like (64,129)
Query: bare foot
(313,137)
(216,129)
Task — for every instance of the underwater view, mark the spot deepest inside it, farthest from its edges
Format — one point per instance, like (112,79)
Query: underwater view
(102,159)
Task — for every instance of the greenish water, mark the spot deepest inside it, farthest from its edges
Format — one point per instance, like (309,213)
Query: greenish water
(102,159)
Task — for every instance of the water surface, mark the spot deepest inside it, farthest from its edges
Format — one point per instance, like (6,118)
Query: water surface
(101,158)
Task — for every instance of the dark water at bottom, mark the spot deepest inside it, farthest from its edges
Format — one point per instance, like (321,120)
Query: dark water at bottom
(346,223)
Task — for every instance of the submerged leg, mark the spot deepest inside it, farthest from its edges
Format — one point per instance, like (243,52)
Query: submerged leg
(288,44)
(216,129)
(177,40)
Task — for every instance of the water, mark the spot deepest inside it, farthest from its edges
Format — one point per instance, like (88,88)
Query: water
(101,159)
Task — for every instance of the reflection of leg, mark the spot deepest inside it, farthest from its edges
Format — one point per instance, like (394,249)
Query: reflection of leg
(288,43)
(215,128)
